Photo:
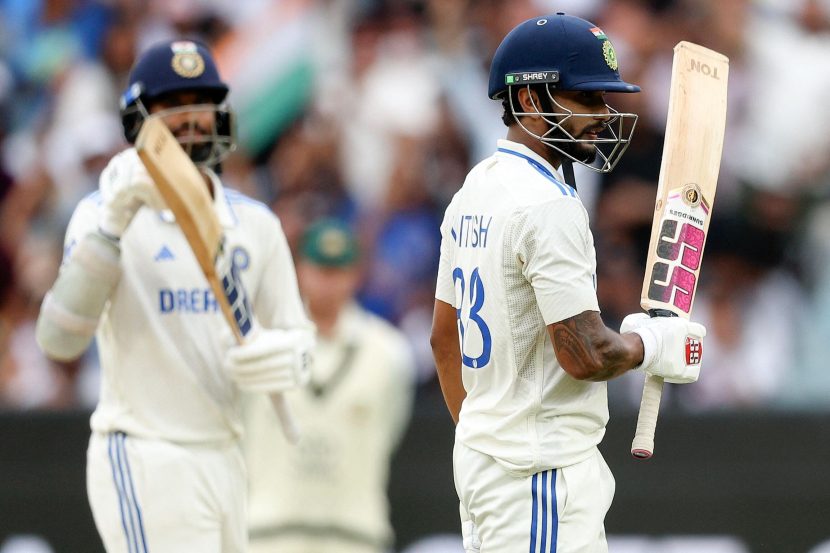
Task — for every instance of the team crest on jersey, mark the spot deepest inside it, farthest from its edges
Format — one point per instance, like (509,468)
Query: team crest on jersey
(187,62)
(610,55)
(240,257)
(694,351)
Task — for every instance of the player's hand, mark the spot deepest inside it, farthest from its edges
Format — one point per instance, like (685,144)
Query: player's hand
(672,346)
(272,361)
(125,186)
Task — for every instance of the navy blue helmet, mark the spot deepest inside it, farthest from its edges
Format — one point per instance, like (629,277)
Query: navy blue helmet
(573,53)
(559,53)
(179,66)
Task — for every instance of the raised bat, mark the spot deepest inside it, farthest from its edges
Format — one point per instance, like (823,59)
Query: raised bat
(184,190)
(685,194)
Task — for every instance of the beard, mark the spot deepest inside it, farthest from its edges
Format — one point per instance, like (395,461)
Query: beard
(584,153)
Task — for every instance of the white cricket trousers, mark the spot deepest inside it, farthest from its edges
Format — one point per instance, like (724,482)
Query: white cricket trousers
(555,511)
(160,497)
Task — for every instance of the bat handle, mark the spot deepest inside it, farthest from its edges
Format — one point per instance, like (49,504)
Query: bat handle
(642,447)
(289,425)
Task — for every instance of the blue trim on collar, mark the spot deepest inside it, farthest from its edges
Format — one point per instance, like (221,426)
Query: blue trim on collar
(565,189)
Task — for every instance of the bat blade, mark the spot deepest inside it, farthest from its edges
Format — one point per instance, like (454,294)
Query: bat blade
(689,170)
(186,193)
(183,189)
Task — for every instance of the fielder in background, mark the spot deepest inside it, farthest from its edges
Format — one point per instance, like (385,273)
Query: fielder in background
(165,471)
(328,494)
(521,350)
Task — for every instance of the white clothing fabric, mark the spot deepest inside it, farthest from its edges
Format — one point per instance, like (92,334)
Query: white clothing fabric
(554,511)
(517,255)
(160,340)
(351,418)
(150,495)
(165,471)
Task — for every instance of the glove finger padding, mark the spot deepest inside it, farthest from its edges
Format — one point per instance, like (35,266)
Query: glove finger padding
(125,186)
(672,346)
(273,361)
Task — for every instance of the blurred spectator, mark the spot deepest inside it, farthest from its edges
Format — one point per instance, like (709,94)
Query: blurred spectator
(370,111)
(352,416)
(751,308)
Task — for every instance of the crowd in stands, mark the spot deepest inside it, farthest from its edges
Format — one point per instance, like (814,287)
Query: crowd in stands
(372,111)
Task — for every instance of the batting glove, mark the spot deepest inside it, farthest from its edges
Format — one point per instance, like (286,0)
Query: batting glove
(125,186)
(672,346)
(272,361)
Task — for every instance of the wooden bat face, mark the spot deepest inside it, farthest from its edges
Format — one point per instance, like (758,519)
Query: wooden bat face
(688,178)
(186,193)
(679,247)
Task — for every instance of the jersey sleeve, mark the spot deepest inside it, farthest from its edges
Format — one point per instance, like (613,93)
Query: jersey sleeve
(557,250)
(277,302)
(445,287)
(84,221)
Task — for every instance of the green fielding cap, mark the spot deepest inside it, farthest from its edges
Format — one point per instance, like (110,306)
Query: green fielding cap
(329,242)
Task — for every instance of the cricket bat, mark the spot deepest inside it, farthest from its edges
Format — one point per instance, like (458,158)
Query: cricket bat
(183,188)
(685,194)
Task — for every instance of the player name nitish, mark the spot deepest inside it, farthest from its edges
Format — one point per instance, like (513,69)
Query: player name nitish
(472,231)
(686,216)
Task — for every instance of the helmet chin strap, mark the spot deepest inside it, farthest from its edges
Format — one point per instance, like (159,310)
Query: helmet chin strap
(568,172)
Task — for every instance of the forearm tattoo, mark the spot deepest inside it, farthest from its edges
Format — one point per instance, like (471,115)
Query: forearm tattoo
(585,344)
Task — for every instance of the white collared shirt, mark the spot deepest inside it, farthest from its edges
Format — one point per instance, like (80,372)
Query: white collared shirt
(162,338)
(516,255)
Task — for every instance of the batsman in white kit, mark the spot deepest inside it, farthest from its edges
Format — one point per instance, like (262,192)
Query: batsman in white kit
(165,471)
(521,350)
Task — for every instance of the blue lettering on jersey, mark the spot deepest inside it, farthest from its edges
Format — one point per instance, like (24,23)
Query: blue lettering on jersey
(182,300)
(472,231)
(476,303)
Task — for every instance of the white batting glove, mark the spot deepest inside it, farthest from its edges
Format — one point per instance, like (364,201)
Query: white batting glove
(125,186)
(672,346)
(272,361)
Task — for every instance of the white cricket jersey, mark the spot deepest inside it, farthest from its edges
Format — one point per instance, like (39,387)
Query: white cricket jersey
(332,484)
(162,337)
(516,255)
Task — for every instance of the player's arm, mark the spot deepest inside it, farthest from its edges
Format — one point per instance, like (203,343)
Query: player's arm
(71,309)
(447,354)
(589,350)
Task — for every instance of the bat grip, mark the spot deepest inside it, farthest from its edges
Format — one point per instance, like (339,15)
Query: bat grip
(642,447)
(287,422)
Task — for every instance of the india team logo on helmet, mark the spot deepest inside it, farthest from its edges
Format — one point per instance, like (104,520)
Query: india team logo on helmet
(610,55)
(187,61)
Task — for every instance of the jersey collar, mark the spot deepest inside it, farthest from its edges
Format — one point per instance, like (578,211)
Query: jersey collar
(510,148)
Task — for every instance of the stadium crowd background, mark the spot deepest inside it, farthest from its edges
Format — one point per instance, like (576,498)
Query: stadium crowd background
(373,111)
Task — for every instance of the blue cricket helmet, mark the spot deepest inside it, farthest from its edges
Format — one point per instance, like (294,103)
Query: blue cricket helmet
(564,51)
(171,66)
(174,66)
(179,66)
